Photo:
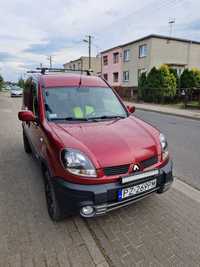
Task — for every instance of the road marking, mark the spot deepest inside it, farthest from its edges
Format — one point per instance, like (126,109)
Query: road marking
(186,189)
(95,253)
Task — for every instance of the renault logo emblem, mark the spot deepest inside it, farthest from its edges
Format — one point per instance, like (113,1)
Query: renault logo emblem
(136,168)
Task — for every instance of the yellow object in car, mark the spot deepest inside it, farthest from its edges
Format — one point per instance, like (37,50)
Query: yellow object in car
(79,113)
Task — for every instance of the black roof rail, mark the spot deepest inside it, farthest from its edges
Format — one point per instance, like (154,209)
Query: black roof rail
(43,70)
(33,71)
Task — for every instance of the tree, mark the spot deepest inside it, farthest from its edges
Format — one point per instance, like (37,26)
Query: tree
(174,72)
(1,82)
(153,84)
(196,73)
(142,85)
(168,83)
(158,85)
(21,83)
(187,80)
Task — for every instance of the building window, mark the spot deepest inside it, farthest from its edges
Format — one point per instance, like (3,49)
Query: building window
(115,77)
(105,76)
(115,57)
(140,71)
(142,51)
(74,66)
(126,76)
(105,60)
(126,55)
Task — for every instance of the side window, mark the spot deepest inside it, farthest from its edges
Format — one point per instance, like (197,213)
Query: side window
(27,94)
(35,99)
(31,96)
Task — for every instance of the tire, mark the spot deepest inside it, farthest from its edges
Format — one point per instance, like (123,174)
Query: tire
(51,200)
(27,147)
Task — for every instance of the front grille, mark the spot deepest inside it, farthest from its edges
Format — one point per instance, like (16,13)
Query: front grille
(149,162)
(123,169)
(116,170)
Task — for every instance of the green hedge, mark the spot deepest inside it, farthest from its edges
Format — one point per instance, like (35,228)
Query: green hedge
(159,85)
(1,83)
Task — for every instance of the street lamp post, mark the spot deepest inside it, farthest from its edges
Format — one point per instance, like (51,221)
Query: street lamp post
(89,49)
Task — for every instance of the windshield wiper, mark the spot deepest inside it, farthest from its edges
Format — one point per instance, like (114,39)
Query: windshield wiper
(69,119)
(89,118)
(104,117)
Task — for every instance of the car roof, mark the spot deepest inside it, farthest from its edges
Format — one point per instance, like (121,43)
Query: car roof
(70,79)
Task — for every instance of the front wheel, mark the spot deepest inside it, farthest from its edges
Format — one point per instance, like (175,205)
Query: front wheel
(52,203)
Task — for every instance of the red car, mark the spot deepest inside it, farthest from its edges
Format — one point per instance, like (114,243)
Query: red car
(94,154)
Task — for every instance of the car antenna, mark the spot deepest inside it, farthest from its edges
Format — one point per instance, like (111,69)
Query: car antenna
(80,81)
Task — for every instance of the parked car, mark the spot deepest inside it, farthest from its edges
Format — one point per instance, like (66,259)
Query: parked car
(95,155)
(16,91)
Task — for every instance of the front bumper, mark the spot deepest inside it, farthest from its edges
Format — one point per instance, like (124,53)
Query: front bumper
(15,95)
(104,197)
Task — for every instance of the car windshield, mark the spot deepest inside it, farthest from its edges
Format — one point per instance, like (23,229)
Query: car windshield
(84,103)
(16,88)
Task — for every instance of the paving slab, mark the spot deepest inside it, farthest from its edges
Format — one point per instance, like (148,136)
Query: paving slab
(162,230)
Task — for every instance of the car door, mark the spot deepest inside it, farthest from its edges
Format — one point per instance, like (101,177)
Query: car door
(35,127)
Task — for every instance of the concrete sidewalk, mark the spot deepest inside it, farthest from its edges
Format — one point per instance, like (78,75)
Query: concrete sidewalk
(160,231)
(192,114)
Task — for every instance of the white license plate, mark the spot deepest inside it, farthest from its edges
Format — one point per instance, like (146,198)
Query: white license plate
(136,189)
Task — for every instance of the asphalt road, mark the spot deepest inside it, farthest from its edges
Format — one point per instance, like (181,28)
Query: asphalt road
(184,143)
(162,230)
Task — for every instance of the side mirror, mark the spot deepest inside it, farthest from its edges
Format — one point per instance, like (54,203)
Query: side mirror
(131,109)
(26,115)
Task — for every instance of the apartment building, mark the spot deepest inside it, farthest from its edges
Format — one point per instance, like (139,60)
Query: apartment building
(142,54)
(82,63)
(112,66)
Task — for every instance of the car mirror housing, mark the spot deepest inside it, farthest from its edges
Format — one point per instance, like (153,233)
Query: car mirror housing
(131,109)
(26,115)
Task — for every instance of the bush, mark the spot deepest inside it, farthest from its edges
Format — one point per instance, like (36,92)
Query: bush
(196,73)
(174,72)
(169,84)
(187,79)
(142,86)
(158,86)
(1,83)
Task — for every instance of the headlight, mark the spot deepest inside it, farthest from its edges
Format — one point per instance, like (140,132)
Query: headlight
(77,163)
(164,146)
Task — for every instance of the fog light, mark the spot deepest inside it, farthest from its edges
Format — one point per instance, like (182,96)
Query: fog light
(87,211)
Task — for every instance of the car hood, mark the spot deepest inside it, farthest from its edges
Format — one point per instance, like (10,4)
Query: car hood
(16,92)
(111,143)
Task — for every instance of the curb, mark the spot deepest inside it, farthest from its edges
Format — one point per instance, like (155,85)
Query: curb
(169,113)
(95,253)
(186,189)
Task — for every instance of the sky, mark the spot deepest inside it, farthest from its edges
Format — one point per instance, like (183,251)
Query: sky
(31,31)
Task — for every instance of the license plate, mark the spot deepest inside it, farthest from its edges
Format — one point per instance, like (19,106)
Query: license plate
(136,189)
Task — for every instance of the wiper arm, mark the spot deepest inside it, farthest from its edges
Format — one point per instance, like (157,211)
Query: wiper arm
(107,117)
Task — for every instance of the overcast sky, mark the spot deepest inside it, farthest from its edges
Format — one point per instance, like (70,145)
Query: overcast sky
(30,31)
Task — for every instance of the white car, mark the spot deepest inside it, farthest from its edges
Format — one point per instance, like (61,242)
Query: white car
(16,91)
